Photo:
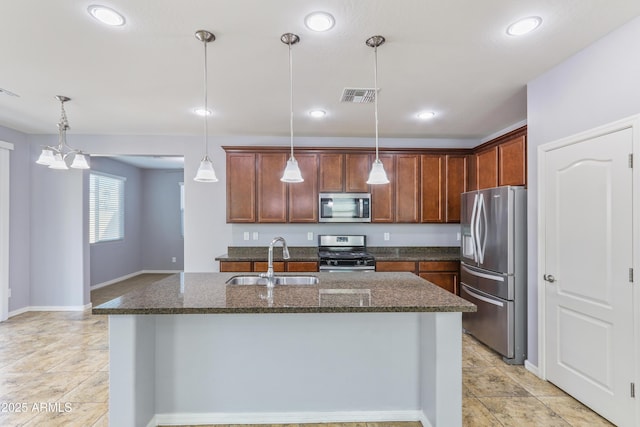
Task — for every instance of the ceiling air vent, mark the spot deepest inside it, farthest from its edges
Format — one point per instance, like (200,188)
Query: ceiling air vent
(357,96)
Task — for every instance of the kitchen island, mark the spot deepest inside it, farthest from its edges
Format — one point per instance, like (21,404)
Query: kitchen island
(191,349)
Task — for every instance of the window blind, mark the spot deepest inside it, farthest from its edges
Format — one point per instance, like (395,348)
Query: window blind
(106,207)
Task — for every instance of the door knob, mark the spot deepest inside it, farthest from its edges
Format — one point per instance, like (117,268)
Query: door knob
(549,278)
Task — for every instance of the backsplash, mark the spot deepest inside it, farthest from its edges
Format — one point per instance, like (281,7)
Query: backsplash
(399,234)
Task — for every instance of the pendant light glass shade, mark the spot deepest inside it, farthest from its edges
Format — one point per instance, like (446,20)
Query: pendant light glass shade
(377,174)
(80,162)
(58,162)
(292,171)
(205,171)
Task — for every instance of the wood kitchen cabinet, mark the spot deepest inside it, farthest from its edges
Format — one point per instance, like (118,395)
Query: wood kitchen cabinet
(512,162)
(302,266)
(487,168)
(241,187)
(407,188)
(409,266)
(455,185)
(445,274)
(340,172)
(233,266)
(303,196)
(271,192)
(433,188)
(383,195)
(261,266)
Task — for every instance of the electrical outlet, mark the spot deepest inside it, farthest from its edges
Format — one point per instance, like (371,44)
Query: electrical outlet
(255,235)
(386,236)
(310,235)
(246,235)
(173,259)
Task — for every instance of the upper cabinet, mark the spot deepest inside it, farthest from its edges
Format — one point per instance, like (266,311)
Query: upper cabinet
(340,172)
(425,184)
(502,161)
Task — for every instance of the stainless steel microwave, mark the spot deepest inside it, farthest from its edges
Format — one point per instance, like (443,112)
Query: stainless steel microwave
(345,207)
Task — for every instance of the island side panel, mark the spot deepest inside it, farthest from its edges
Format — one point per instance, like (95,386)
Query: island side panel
(132,370)
(311,365)
(441,368)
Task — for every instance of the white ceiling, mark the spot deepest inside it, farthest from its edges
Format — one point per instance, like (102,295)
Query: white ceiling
(452,57)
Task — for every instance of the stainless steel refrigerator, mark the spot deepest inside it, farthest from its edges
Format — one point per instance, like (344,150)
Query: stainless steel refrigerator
(494,268)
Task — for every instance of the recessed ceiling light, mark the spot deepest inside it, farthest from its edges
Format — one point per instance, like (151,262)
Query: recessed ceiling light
(317,114)
(106,15)
(524,26)
(426,115)
(202,112)
(319,21)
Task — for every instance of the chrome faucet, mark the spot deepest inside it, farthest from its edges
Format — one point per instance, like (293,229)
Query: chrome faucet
(285,255)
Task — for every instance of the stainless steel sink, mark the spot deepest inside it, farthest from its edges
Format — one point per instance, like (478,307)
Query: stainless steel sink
(278,280)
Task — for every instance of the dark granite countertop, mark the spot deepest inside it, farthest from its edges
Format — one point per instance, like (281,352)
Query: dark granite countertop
(203,293)
(310,253)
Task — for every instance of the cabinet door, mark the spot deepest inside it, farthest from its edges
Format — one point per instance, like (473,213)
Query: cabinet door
(331,172)
(433,188)
(303,196)
(472,178)
(357,168)
(487,168)
(241,187)
(513,159)
(407,188)
(263,266)
(306,266)
(382,195)
(272,193)
(232,266)
(448,281)
(456,184)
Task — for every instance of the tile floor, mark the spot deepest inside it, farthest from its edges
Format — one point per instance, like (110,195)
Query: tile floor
(54,371)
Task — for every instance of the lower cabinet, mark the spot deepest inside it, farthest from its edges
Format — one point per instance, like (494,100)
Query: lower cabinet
(444,274)
(261,266)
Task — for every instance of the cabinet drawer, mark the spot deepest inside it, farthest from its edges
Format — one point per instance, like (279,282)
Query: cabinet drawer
(396,266)
(302,266)
(439,265)
(448,281)
(261,266)
(230,266)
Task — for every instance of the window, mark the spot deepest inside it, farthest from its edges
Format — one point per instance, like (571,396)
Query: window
(106,207)
(181,184)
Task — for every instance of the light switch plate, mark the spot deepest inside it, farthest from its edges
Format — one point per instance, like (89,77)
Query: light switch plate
(246,235)
(255,235)
(386,236)
(458,237)
(310,235)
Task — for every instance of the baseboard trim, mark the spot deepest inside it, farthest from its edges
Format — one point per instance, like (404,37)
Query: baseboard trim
(50,308)
(129,276)
(532,368)
(286,417)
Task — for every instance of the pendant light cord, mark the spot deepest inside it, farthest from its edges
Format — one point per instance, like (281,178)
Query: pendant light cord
(206,107)
(291,99)
(375,96)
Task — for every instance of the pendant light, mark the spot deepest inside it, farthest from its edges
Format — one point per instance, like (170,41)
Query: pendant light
(291,171)
(205,171)
(56,157)
(377,174)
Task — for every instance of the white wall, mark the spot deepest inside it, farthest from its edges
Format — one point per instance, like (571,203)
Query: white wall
(596,86)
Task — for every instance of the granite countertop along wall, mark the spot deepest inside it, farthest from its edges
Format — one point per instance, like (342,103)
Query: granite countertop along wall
(310,253)
(208,293)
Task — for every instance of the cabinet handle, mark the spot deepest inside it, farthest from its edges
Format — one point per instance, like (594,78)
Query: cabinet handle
(549,278)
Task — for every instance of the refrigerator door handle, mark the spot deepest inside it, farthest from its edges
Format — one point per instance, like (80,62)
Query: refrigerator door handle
(477,229)
(482,298)
(484,228)
(472,226)
(483,275)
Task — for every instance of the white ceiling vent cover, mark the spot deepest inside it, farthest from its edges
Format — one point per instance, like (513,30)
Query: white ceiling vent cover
(358,95)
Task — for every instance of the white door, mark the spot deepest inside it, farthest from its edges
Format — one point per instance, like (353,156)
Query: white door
(587,256)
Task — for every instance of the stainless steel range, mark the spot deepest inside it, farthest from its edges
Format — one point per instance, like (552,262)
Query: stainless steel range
(344,253)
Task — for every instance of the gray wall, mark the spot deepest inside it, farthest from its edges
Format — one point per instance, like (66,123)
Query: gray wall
(19,214)
(110,260)
(160,227)
(598,85)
